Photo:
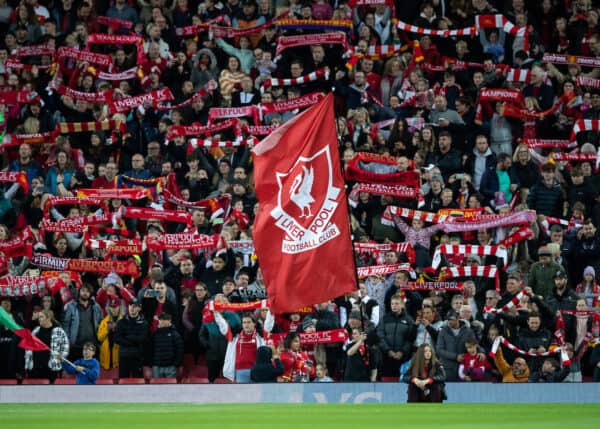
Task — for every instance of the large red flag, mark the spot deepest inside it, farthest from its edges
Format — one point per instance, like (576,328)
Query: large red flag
(302,233)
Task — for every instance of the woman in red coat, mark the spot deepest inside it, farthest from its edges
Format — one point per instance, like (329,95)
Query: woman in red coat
(297,364)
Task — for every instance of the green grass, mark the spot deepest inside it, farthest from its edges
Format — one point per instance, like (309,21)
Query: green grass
(300,416)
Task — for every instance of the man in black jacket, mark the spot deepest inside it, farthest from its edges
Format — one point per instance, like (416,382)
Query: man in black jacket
(534,339)
(397,333)
(167,348)
(130,335)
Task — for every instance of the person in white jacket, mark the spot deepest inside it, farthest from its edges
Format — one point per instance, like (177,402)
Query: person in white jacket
(241,348)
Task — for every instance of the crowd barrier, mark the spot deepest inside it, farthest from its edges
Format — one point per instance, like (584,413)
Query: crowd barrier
(297,393)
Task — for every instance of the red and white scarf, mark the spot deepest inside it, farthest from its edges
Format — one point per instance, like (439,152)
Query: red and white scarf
(489,271)
(468,249)
(547,143)
(588,81)
(124,75)
(584,125)
(197,143)
(215,207)
(35,50)
(233,112)
(289,105)
(90,97)
(500,21)
(114,39)
(15,177)
(114,23)
(501,340)
(259,130)
(467,31)
(382,270)
(322,73)
(18,286)
(379,189)
(54,200)
(354,171)
(19,97)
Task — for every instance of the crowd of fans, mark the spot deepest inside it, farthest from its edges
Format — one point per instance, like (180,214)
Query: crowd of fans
(423,112)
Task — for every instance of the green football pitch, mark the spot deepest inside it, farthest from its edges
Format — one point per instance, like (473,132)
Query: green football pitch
(299,416)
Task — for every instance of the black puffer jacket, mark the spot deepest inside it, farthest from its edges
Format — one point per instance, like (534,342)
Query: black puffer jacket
(396,333)
(167,347)
(266,369)
(131,335)
(546,200)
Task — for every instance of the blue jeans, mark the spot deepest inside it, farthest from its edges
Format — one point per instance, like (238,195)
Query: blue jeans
(242,376)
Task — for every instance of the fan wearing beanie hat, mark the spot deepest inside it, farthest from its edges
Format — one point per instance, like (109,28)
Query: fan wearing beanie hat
(589,286)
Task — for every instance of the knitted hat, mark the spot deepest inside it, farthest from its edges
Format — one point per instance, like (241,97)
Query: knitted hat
(589,271)
(307,323)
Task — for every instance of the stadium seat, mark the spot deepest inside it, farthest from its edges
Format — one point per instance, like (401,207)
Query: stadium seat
(8,382)
(109,373)
(131,380)
(64,381)
(105,381)
(195,380)
(223,381)
(163,380)
(36,381)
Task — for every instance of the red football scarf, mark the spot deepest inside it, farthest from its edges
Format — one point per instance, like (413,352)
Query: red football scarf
(320,74)
(496,94)
(124,75)
(124,194)
(112,39)
(193,30)
(355,173)
(510,346)
(238,306)
(90,97)
(115,247)
(74,224)
(422,285)
(114,23)
(15,177)
(584,125)
(63,201)
(147,213)
(315,24)
(103,60)
(293,104)
(588,81)
(571,59)
(521,234)
(15,64)
(19,97)
(378,189)
(380,248)
(86,265)
(233,112)
(547,143)
(287,42)
(382,270)
(573,157)
(20,245)
(259,130)
(197,129)
(18,286)
(184,240)
(313,338)
(198,95)
(215,207)
(152,97)
(35,50)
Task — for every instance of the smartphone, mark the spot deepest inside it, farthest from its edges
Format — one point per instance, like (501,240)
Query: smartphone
(152,294)
(459,176)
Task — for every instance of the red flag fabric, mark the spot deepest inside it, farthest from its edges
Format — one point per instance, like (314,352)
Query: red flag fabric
(30,341)
(302,234)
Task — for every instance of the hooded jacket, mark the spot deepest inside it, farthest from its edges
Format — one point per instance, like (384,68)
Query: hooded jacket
(266,369)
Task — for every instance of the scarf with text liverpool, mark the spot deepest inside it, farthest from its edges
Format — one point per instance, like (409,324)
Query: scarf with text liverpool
(302,235)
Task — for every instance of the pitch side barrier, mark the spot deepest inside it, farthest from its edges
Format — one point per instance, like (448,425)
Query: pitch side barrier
(299,393)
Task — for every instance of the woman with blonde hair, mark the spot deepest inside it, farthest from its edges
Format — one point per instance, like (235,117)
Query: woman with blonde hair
(524,167)
(425,376)
(391,80)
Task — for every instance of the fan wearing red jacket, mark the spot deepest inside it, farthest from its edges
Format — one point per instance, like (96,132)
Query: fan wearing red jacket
(298,366)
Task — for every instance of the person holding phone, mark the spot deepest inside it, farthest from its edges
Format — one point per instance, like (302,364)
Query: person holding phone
(358,362)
